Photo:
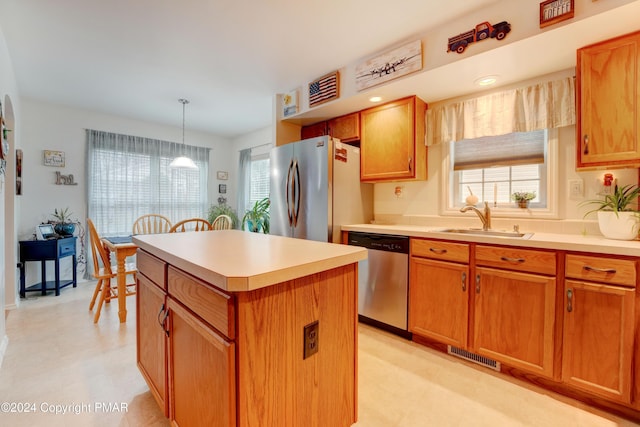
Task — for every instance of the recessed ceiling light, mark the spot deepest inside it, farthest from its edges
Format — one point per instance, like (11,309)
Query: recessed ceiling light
(486,80)
(375,99)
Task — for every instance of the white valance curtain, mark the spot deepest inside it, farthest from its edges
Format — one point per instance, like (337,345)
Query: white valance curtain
(129,176)
(541,106)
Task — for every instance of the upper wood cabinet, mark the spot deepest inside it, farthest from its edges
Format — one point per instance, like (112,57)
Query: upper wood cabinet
(608,103)
(346,128)
(392,141)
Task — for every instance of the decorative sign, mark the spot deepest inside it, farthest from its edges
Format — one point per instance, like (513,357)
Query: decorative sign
(65,179)
(290,103)
(324,89)
(554,11)
(222,188)
(390,65)
(54,158)
(222,175)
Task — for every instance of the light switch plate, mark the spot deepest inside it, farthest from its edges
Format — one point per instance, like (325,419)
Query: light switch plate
(576,189)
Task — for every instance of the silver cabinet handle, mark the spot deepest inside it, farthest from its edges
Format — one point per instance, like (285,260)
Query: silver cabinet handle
(569,300)
(464,282)
(438,251)
(599,270)
(477,283)
(513,260)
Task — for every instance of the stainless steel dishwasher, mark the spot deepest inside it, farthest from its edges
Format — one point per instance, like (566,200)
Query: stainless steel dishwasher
(383,281)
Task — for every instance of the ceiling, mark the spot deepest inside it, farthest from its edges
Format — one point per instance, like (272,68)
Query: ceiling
(228,57)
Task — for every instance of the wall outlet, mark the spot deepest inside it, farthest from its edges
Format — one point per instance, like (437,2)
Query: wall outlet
(576,189)
(310,339)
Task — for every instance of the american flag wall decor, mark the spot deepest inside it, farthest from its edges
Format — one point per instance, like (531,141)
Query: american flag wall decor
(324,89)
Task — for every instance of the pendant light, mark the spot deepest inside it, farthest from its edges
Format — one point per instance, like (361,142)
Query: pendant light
(183,162)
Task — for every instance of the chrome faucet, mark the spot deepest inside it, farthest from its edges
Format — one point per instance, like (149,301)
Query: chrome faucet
(484,217)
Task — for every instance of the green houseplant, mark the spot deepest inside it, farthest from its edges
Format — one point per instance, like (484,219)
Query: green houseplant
(617,215)
(63,224)
(222,209)
(522,198)
(257,219)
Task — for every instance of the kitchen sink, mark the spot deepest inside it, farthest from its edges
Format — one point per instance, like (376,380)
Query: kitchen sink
(489,233)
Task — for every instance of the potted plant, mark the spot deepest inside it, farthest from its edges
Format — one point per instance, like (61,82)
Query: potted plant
(222,209)
(522,198)
(63,224)
(257,219)
(617,216)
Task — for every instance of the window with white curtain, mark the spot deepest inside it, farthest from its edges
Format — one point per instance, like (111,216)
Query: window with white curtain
(494,167)
(259,180)
(129,176)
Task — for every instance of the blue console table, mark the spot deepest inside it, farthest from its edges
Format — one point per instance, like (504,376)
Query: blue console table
(43,251)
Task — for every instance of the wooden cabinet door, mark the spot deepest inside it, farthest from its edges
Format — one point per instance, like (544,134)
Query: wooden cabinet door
(392,141)
(316,129)
(608,92)
(201,372)
(514,319)
(438,301)
(598,339)
(151,346)
(345,128)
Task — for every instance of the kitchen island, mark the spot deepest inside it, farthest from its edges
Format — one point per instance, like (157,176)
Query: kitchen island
(245,329)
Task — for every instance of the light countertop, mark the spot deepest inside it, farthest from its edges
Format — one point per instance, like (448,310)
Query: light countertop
(568,242)
(236,260)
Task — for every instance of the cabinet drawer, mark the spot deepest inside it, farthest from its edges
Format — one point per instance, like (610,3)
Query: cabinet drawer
(518,259)
(600,269)
(445,251)
(152,267)
(66,247)
(213,306)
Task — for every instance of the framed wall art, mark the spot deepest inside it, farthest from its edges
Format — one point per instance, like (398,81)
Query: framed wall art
(324,89)
(222,188)
(18,172)
(222,175)
(53,158)
(290,102)
(554,11)
(389,65)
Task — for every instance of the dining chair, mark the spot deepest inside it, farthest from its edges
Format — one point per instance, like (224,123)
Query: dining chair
(191,224)
(104,272)
(222,222)
(151,224)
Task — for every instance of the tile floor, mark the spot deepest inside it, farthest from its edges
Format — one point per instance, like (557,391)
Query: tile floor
(57,356)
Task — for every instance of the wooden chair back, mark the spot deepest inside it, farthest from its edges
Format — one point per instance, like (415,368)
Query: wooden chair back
(151,224)
(222,222)
(100,254)
(102,270)
(191,224)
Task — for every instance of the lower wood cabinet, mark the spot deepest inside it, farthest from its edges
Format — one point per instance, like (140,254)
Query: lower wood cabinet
(439,301)
(514,319)
(151,339)
(201,370)
(598,339)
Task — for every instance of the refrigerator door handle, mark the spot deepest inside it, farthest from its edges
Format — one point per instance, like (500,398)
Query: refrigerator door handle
(296,194)
(288,193)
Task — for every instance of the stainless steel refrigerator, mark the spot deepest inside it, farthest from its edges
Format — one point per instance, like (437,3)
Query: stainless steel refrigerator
(315,188)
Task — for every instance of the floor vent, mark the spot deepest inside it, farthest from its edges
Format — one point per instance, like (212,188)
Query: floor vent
(475,358)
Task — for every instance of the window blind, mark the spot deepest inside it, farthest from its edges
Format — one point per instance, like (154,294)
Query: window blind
(519,148)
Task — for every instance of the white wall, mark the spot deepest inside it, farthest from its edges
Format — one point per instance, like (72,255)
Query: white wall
(9,208)
(61,128)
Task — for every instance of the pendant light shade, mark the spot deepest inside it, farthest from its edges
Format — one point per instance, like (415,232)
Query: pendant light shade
(183,162)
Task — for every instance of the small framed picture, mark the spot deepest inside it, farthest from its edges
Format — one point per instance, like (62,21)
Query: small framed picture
(54,158)
(222,188)
(222,175)
(290,103)
(554,11)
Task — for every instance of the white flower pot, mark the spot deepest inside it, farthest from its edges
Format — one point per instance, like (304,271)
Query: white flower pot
(624,226)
